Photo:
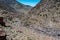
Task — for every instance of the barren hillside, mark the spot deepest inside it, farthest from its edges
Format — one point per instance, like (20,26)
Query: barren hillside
(45,18)
(20,22)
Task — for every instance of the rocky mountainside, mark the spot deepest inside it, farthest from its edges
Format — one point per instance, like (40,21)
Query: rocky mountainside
(14,6)
(42,22)
(10,9)
(11,13)
(47,12)
(45,5)
(45,18)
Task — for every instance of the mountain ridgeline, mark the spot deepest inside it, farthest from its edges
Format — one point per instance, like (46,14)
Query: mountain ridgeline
(14,6)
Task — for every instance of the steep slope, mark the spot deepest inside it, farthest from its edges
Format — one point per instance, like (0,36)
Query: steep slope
(10,9)
(45,5)
(47,11)
(13,6)
(41,23)
(45,17)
